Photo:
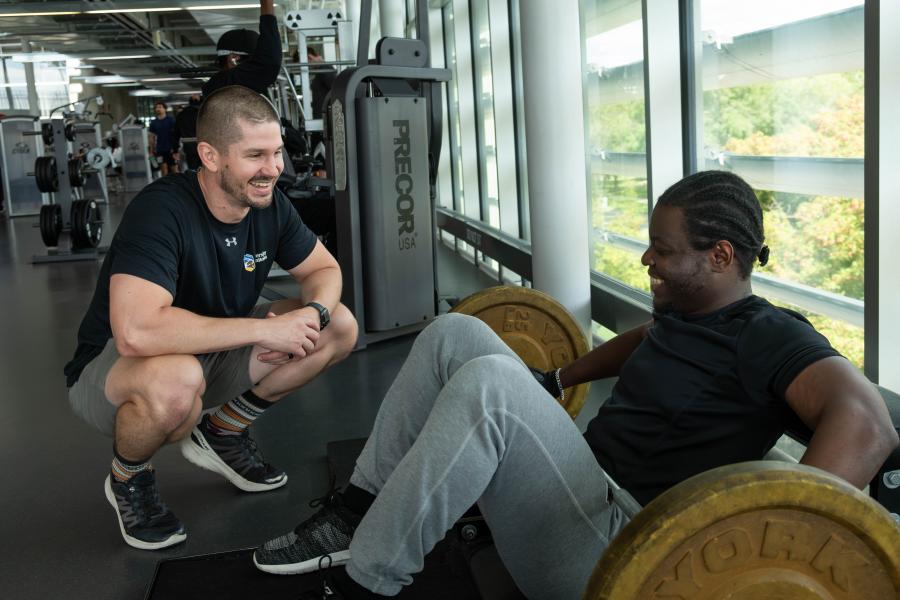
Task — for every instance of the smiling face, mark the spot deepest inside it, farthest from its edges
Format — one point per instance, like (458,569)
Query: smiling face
(250,166)
(680,278)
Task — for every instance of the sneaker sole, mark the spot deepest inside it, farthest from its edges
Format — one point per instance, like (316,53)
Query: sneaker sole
(133,541)
(206,458)
(307,566)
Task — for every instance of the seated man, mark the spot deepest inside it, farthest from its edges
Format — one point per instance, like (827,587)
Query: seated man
(714,379)
(174,323)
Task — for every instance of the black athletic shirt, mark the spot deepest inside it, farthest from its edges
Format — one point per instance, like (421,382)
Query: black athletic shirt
(702,392)
(257,71)
(169,237)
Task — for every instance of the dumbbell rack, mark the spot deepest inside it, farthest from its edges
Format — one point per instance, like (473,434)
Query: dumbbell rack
(69,212)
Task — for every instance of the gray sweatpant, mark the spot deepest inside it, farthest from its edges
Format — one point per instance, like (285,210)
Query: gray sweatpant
(465,422)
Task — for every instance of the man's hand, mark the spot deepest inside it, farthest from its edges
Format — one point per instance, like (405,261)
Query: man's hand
(290,336)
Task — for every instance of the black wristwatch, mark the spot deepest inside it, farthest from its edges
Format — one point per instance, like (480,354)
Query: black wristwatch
(324,315)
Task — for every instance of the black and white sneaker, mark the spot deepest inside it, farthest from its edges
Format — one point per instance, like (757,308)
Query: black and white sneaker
(145,521)
(324,536)
(235,457)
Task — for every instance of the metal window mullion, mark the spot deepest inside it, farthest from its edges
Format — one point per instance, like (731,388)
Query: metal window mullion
(476,16)
(691,85)
(452,111)
(515,49)
(465,102)
(439,59)
(504,123)
(662,96)
(871,236)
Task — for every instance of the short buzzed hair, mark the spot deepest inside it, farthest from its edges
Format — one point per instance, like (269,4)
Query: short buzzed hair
(221,114)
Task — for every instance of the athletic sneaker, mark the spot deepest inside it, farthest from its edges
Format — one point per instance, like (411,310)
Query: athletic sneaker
(145,521)
(235,457)
(324,536)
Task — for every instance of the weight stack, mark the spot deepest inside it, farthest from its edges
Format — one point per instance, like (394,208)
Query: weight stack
(395,209)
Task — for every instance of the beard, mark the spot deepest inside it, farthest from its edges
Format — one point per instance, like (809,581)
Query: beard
(683,291)
(234,188)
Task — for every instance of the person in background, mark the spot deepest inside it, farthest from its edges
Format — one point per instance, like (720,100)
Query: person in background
(186,132)
(162,133)
(248,58)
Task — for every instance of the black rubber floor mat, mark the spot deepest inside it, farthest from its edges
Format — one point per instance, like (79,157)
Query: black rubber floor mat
(232,576)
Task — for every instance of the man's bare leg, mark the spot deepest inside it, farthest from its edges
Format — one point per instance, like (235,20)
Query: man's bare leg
(221,442)
(158,401)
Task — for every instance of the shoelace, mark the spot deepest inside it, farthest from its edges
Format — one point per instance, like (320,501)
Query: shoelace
(248,444)
(327,592)
(145,501)
(331,500)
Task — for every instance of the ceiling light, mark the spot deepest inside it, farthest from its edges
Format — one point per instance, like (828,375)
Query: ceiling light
(95,79)
(109,11)
(41,14)
(162,78)
(129,84)
(188,93)
(147,93)
(223,6)
(39,57)
(123,57)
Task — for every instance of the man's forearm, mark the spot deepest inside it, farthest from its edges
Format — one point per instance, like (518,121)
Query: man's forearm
(323,286)
(605,360)
(177,331)
(266,7)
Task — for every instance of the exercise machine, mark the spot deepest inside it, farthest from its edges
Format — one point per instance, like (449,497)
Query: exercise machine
(383,136)
(22,140)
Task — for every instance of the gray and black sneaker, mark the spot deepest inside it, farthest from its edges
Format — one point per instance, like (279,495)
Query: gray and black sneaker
(145,521)
(324,536)
(235,457)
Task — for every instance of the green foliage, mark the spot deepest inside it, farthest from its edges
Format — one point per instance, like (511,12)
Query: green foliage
(819,243)
(618,127)
(811,116)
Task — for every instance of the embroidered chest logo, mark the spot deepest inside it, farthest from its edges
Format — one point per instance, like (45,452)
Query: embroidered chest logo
(249,263)
(232,241)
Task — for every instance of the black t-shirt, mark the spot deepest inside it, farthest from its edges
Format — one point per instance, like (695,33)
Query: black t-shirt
(185,124)
(169,237)
(702,392)
(259,70)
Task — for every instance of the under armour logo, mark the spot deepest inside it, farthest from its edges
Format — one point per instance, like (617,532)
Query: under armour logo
(232,241)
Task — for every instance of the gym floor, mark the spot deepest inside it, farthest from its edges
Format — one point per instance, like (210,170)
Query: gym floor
(60,536)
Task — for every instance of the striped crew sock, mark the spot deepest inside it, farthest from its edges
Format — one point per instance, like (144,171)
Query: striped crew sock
(123,469)
(235,416)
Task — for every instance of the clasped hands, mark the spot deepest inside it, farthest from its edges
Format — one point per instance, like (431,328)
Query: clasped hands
(289,337)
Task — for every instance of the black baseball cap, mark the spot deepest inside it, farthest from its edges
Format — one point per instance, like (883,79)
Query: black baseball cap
(237,41)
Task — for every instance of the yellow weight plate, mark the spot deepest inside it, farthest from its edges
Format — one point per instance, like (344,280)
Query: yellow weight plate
(537,328)
(754,531)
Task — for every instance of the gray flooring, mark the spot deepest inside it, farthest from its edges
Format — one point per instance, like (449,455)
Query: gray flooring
(58,535)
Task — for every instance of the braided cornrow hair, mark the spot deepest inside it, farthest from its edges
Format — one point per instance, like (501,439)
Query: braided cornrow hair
(718,205)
